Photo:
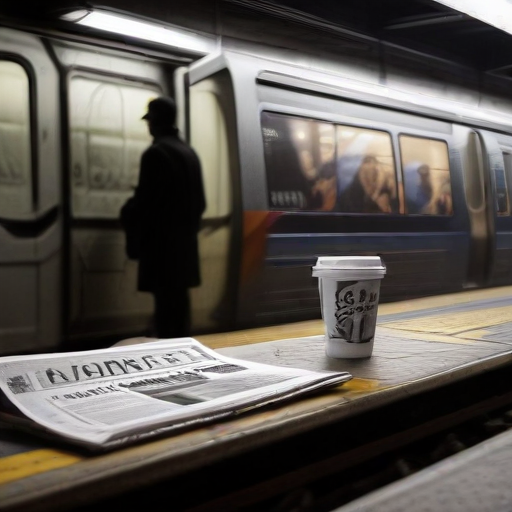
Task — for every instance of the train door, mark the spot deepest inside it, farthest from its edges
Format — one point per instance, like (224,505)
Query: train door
(107,138)
(212,129)
(467,153)
(486,160)
(30,207)
(497,163)
(106,96)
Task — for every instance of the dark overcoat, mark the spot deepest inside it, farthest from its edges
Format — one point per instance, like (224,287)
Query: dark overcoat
(170,201)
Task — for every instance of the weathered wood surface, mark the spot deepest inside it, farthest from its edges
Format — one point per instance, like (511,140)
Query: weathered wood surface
(419,345)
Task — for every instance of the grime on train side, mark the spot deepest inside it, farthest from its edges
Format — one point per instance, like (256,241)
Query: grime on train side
(298,161)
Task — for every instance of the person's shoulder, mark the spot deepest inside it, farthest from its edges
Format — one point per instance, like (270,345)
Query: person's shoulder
(177,145)
(151,149)
(172,141)
(150,154)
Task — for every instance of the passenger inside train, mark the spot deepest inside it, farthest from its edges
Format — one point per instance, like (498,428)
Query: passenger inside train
(366,181)
(426,177)
(369,190)
(422,194)
(418,187)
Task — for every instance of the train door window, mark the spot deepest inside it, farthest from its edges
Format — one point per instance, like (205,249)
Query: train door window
(365,170)
(299,158)
(15,141)
(500,178)
(426,176)
(107,140)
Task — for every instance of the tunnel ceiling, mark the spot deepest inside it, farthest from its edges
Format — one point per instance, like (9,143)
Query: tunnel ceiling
(426,26)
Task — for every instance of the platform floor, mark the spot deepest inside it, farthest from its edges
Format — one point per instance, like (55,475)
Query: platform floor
(420,345)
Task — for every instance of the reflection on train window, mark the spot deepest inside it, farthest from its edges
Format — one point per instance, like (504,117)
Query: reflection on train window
(15,145)
(107,140)
(426,176)
(365,170)
(500,178)
(313,165)
(298,155)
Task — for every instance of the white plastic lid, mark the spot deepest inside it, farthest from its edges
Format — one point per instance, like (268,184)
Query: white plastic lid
(349,267)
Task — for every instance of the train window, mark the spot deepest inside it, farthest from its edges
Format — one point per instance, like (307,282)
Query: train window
(500,179)
(15,141)
(365,169)
(314,165)
(426,176)
(299,155)
(107,140)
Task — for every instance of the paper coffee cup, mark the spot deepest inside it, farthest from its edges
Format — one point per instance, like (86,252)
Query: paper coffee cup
(349,288)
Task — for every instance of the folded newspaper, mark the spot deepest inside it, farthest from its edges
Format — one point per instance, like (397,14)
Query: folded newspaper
(106,398)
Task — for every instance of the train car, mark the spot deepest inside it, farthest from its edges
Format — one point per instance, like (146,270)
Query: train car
(301,158)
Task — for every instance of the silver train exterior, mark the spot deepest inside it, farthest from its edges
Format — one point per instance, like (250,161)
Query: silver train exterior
(301,157)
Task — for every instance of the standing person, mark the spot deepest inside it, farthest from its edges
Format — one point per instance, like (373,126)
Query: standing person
(168,203)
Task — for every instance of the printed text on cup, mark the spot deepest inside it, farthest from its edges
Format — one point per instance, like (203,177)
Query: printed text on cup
(356,311)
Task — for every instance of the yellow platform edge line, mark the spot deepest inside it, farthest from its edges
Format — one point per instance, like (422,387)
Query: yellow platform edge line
(357,385)
(23,465)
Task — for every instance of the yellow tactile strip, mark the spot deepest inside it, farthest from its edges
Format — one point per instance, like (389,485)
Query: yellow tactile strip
(440,301)
(22,465)
(316,327)
(262,334)
(357,385)
(456,324)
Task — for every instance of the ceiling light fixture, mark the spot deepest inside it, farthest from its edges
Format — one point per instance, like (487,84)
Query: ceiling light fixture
(497,13)
(151,32)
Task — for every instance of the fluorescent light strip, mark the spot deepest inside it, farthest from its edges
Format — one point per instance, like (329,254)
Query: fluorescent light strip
(497,13)
(146,31)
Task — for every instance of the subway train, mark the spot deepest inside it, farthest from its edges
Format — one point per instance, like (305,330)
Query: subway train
(301,157)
